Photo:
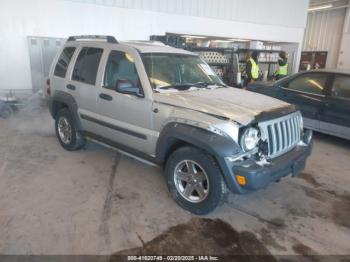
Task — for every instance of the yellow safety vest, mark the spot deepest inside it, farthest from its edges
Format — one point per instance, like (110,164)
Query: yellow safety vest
(255,69)
(283,70)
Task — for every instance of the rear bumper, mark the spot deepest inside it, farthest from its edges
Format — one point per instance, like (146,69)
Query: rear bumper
(258,176)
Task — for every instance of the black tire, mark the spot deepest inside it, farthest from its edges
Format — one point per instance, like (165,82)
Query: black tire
(76,141)
(5,111)
(216,191)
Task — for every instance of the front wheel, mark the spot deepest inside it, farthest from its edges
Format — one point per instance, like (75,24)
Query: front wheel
(195,181)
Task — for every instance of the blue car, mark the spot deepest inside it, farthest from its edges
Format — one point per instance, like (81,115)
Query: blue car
(323,96)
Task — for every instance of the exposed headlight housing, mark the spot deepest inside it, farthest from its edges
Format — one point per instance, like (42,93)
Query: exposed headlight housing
(307,136)
(250,139)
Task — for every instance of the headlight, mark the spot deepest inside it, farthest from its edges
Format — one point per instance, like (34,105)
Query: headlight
(307,137)
(250,139)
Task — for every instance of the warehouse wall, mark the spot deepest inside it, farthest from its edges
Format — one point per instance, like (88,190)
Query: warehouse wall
(138,19)
(344,56)
(262,12)
(324,33)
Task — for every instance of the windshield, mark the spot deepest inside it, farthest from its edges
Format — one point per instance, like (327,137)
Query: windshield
(178,71)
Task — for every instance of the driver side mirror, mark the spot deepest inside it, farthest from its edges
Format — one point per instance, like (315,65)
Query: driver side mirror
(125,86)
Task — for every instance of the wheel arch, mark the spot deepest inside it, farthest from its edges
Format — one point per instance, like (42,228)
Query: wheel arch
(175,135)
(61,100)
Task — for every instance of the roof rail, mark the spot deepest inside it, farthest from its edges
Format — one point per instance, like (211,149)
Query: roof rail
(108,38)
(147,42)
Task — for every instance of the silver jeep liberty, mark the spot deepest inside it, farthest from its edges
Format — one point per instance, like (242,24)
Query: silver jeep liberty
(166,106)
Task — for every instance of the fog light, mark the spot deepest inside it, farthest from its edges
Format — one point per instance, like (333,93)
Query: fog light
(307,136)
(241,180)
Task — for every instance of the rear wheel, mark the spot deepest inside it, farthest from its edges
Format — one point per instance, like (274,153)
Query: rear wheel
(66,131)
(195,181)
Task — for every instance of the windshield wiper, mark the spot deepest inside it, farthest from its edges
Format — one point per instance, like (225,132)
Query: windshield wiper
(206,84)
(186,86)
(176,86)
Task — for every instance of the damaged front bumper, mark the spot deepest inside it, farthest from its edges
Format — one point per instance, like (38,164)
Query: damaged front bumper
(258,175)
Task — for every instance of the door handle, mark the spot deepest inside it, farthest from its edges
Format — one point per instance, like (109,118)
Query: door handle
(106,97)
(71,87)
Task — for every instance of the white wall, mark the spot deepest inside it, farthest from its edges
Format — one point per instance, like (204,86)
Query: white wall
(254,11)
(264,19)
(344,56)
(324,33)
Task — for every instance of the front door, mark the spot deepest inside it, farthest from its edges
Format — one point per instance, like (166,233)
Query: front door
(125,119)
(335,118)
(307,92)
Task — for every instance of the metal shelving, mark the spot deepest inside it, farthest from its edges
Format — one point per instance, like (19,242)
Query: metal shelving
(242,50)
(229,69)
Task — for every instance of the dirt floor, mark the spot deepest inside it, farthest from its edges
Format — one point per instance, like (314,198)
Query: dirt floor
(96,201)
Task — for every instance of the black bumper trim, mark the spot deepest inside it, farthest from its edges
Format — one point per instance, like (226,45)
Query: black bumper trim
(258,176)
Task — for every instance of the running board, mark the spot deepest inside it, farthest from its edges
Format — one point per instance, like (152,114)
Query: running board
(142,160)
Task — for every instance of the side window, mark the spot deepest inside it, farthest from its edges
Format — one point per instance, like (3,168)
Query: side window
(63,61)
(120,66)
(341,86)
(309,83)
(78,67)
(86,66)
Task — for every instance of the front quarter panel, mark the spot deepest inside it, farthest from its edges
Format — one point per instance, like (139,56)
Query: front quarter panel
(177,125)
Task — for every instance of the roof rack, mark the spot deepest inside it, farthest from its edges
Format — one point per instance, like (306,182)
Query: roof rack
(108,38)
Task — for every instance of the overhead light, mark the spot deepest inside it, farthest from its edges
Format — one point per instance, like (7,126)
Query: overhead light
(194,36)
(239,40)
(320,7)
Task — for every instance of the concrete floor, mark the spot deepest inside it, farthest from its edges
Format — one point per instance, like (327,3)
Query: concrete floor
(96,201)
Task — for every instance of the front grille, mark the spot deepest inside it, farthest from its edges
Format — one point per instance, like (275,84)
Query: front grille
(282,134)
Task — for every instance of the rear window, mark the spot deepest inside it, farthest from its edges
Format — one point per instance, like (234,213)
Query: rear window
(86,66)
(63,61)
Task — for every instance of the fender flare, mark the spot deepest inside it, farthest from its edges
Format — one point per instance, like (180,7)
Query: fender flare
(217,146)
(62,99)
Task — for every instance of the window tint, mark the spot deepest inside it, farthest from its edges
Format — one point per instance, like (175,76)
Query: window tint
(86,66)
(63,61)
(309,83)
(120,66)
(341,86)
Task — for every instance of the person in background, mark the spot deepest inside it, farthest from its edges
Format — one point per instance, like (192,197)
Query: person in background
(282,70)
(252,68)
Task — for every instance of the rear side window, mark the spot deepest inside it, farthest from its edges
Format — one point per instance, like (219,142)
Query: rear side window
(309,83)
(86,66)
(341,86)
(63,61)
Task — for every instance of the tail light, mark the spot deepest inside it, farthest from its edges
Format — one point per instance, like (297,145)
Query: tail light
(48,89)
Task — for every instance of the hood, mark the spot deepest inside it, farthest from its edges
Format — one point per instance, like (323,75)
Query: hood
(235,104)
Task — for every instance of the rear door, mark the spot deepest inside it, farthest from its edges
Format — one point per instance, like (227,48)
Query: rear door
(307,92)
(335,118)
(83,81)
